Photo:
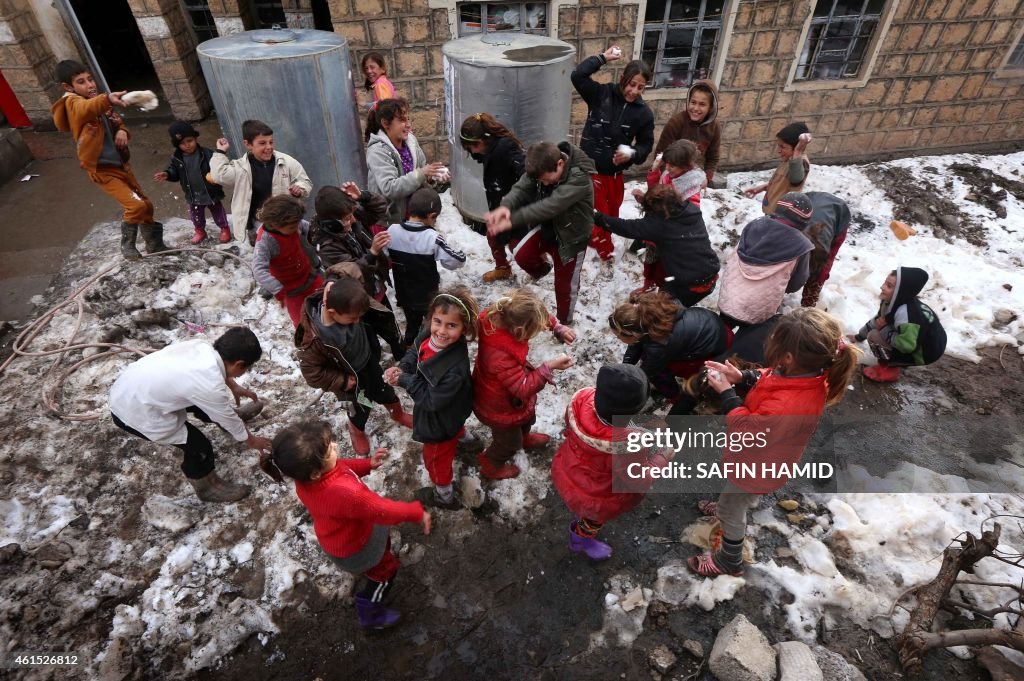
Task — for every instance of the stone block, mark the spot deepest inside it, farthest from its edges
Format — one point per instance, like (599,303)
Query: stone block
(435,60)
(740,44)
(826,126)
(764,73)
(410,61)
(980,59)
(567,22)
(755,130)
(764,14)
(425,122)
(383,32)
(414,29)
(748,104)
(894,65)
(439,20)
(925,116)
(979,36)
(628,17)
(589,21)
(958,60)
(368,8)
(915,63)
(956,34)
(917,91)
(931,36)
(610,19)
(1004,8)
(591,46)
(871,94)
(951,113)
(354,33)
(764,103)
(894,93)
(742,653)
(972,86)
(764,44)
(727,103)
(977,8)
(797,662)
(339,9)
(14,153)
(742,77)
(782,102)
(944,88)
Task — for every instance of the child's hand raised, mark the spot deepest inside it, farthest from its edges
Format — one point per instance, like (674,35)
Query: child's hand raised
(613,53)
(392,374)
(352,189)
(115,98)
(377,460)
(160,177)
(559,363)
(223,144)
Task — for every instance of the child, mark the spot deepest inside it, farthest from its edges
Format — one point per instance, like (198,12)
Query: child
(590,462)
(350,520)
(283,261)
(906,332)
(336,355)
(826,227)
(505,384)
(260,174)
(555,200)
(102,141)
(377,84)
(619,132)
(678,167)
(681,261)
(436,374)
(698,123)
(811,367)
(489,142)
(415,249)
(668,340)
(340,235)
(190,166)
(791,174)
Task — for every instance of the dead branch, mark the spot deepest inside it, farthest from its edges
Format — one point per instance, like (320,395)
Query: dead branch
(989,613)
(998,666)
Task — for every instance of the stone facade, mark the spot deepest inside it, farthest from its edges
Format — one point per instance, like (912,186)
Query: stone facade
(26,60)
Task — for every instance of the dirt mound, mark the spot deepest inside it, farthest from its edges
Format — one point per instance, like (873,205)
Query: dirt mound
(982,182)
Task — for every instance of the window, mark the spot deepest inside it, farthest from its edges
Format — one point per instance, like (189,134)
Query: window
(837,42)
(199,15)
(680,38)
(518,17)
(1016,60)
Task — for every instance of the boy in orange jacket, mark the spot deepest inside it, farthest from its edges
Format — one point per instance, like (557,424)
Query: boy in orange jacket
(102,141)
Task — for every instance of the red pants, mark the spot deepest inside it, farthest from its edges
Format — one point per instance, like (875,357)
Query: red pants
(438,458)
(812,289)
(121,184)
(385,570)
(529,254)
(608,193)
(293,303)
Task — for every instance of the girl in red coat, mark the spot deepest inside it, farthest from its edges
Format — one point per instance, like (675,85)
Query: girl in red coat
(350,520)
(812,367)
(505,384)
(590,460)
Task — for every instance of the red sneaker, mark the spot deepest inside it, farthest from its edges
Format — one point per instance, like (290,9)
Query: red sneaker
(535,440)
(491,472)
(199,236)
(882,373)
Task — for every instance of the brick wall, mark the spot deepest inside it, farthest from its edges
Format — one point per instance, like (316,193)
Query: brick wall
(26,60)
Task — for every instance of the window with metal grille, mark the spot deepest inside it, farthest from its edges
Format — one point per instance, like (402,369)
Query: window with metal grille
(837,42)
(516,17)
(1016,60)
(199,15)
(268,13)
(680,39)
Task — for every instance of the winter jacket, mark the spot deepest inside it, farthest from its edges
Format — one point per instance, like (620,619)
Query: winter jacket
(441,387)
(611,120)
(415,250)
(176,172)
(504,163)
(688,185)
(707,134)
(345,511)
(697,333)
(291,274)
(786,411)
(829,221)
(592,459)
(353,244)
(770,260)
(565,211)
(385,175)
(84,118)
(911,327)
(505,384)
(152,394)
(788,177)
(237,173)
(684,247)
(323,365)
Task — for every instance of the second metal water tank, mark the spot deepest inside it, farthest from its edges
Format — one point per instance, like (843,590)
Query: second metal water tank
(297,81)
(522,80)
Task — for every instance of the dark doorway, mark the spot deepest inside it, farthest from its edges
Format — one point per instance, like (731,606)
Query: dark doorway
(114,37)
(322,16)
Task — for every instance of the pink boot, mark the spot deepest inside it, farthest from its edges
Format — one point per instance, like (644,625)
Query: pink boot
(882,373)
(199,237)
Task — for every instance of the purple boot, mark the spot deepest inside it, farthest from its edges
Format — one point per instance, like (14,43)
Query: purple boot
(374,615)
(593,548)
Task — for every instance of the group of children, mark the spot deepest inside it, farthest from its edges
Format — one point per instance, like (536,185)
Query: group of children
(331,273)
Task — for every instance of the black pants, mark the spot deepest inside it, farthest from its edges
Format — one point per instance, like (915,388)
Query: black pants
(386,328)
(199,457)
(372,385)
(413,322)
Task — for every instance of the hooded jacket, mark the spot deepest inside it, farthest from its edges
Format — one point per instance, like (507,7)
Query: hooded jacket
(354,245)
(323,365)
(707,134)
(911,327)
(770,260)
(83,117)
(176,172)
(592,459)
(237,173)
(441,387)
(385,176)
(829,221)
(611,120)
(504,163)
(565,211)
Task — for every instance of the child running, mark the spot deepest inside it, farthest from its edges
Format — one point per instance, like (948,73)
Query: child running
(812,365)
(190,166)
(505,383)
(436,374)
(375,69)
(283,261)
(905,332)
(350,520)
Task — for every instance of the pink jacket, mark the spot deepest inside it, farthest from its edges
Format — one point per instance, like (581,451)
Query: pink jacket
(753,293)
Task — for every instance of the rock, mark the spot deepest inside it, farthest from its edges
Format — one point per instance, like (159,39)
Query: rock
(1008,287)
(949,222)
(153,318)
(661,659)
(473,494)
(215,259)
(797,662)
(742,653)
(694,648)
(114,334)
(1003,317)
(250,410)
(795,518)
(164,514)
(414,554)
(132,304)
(117,661)
(10,553)
(784,552)
(54,554)
(788,504)
(834,666)
(633,599)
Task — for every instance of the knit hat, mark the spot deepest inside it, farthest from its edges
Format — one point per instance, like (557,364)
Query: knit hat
(622,390)
(794,209)
(791,133)
(179,130)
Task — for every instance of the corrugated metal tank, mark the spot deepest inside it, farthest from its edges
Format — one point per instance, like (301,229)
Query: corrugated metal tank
(522,80)
(297,81)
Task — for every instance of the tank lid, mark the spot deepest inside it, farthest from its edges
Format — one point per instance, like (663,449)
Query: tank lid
(271,44)
(513,50)
(272,35)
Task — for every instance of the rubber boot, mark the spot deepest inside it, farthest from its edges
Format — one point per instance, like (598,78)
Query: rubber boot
(225,235)
(374,615)
(491,472)
(594,549)
(883,373)
(360,443)
(401,416)
(199,236)
(535,440)
(212,488)
(129,233)
(497,274)
(648,286)
(153,235)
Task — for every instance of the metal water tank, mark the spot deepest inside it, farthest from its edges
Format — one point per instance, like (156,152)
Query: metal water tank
(297,81)
(522,80)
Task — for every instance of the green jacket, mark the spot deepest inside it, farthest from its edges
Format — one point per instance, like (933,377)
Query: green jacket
(565,211)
